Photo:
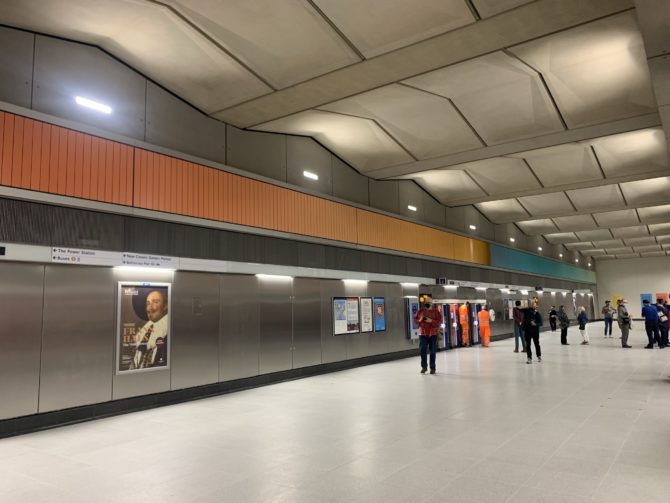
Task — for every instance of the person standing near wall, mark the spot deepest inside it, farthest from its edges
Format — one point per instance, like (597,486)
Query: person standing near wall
(429,320)
(583,319)
(623,319)
(484,326)
(650,315)
(662,323)
(464,321)
(517,314)
(564,323)
(553,316)
(532,322)
(608,316)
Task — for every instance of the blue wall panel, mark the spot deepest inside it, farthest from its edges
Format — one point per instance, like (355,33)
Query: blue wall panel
(508,258)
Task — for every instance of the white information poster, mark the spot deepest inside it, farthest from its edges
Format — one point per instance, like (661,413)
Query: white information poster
(346,316)
(366,314)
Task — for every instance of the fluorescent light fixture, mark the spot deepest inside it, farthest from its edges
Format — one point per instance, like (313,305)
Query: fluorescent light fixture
(524,292)
(473,227)
(274,276)
(504,290)
(480,288)
(139,268)
(553,293)
(411,208)
(356,281)
(539,248)
(93,105)
(512,240)
(309,174)
(409,285)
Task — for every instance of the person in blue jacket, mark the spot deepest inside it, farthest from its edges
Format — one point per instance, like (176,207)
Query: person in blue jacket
(651,322)
(583,319)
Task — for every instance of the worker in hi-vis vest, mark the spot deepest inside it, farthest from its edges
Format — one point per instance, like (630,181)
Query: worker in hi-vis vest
(465,327)
(484,326)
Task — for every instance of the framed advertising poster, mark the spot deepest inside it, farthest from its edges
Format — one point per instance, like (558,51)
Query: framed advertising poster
(366,314)
(143,326)
(345,315)
(379,314)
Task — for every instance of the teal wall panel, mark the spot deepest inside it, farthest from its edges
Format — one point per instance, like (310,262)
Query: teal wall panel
(508,258)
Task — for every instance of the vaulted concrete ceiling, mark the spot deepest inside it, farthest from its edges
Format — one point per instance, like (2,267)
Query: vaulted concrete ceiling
(539,113)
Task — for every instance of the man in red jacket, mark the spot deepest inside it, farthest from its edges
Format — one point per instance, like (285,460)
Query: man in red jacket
(429,320)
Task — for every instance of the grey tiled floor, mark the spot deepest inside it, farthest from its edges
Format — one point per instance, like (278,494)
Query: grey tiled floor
(589,423)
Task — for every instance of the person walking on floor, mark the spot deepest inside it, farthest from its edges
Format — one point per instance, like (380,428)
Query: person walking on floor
(583,319)
(553,316)
(564,323)
(662,322)
(518,316)
(531,328)
(650,315)
(608,316)
(483,319)
(429,320)
(624,322)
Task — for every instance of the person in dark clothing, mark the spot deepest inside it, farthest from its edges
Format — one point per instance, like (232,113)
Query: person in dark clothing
(532,321)
(662,323)
(553,317)
(429,320)
(517,314)
(564,323)
(650,315)
(608,316)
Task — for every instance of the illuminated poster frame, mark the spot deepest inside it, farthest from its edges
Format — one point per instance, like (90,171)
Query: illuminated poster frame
(366,315)
(346,315)
(379,314)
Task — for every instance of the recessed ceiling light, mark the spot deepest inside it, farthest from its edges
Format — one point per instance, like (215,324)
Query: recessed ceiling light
(473,227)
(93,105)
(539,248)
(589,264)
(512,240)
(560,255)
(411,208)
(576,261)
(309,174)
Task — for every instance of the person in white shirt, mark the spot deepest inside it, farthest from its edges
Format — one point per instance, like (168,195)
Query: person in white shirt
(151,340)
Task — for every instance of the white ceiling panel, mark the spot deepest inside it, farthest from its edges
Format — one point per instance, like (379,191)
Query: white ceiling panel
(558,238)
(621,218)
(157,41)
(582,246)
(504,210)
(631,232)
(605,257)
(640,241)
(628,255)
(360,142)
(447,185)
(488,8)
(659,228)
(427,125)
(631,153)
(502,98)
(653,254)
(619,251)
(263,35)
(594,235)
(575,223)
(594,198)
(647,248)
(655,214)
(666,246)
(562,165)
(547,204)
(377,27)
(597,72)
(502,175)
(596,252)
(663,238)
(609,243)
(537,227)
(646,192)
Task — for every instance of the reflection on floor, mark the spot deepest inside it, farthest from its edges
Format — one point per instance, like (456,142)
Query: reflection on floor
(589,423)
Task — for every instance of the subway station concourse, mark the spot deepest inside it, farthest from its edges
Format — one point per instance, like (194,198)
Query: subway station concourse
(221,224)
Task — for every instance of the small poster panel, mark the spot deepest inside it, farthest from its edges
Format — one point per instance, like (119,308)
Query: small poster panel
(143,326)
(662,296)
(646,296)
(380,314)
(412,307)
(345,315)
(366,314)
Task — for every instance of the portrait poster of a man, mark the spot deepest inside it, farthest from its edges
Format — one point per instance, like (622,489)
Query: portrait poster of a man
(143,326)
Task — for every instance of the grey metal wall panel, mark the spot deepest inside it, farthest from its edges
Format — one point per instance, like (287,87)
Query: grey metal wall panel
(275,325)
(24,222)
(192,241)
(16,66)
(239,336)
(305,154)
(174,124)
(242,247)
(78,337)
(87,229)
(21,296)
(279,251)
(433,213)
(195,330)
(150,236)
(385,195)
(343,259)
(369,261)
(311,255)
(333,348)
(395,317)
(64,70)
(410,194)
(261,153)
(379,342)
(358,345)
(348,183)
(131,384)
(306,322)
